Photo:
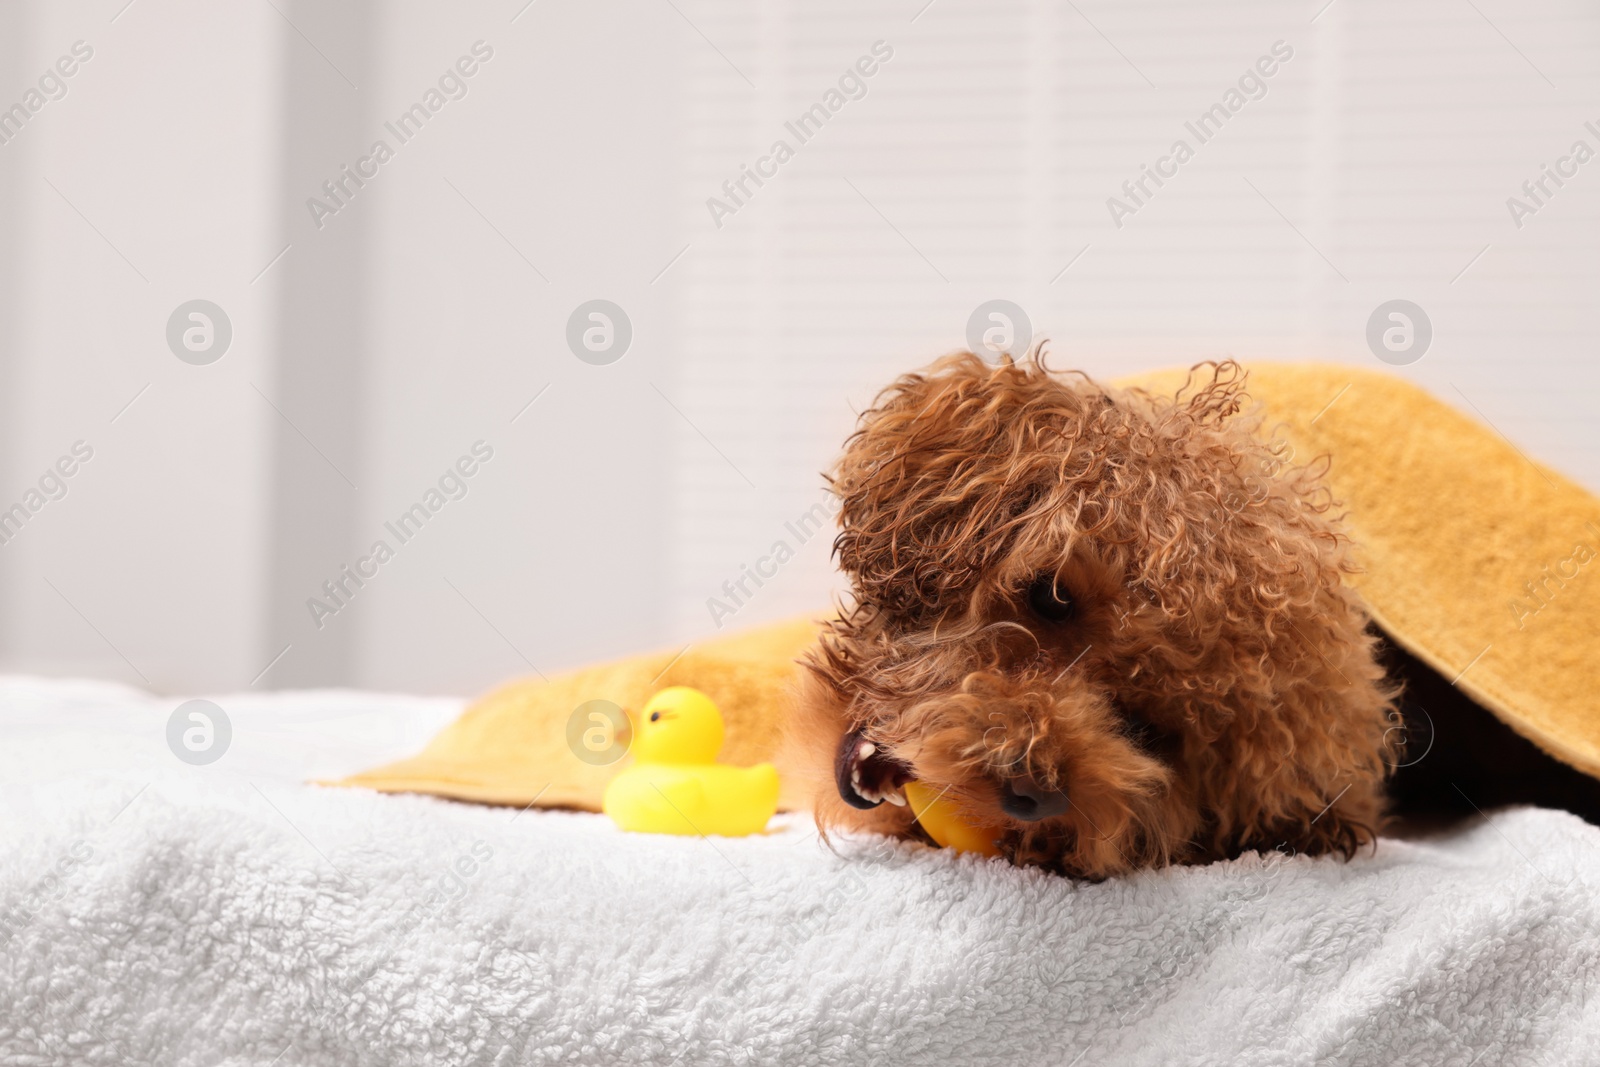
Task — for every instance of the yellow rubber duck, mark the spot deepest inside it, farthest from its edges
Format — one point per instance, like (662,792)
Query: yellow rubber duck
(942,819)
(676,785)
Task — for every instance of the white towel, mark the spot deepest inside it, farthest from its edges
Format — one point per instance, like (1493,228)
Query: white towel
(157,913)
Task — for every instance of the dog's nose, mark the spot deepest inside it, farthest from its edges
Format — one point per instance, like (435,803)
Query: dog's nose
(1024,798)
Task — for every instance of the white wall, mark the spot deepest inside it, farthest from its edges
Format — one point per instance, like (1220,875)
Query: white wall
(425,314)
(149,184)
(564,143)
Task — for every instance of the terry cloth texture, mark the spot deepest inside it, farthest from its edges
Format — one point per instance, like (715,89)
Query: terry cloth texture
(1477,560)
(156,913)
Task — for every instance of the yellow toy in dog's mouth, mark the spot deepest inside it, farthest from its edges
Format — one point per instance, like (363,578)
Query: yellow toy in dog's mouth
(942,819)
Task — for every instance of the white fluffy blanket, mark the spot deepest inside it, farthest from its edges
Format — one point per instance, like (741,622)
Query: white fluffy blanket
(157,913)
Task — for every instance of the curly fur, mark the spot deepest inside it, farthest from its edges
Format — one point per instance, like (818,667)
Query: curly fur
(1215,688)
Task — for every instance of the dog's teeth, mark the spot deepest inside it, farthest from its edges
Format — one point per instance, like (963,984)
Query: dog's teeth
(896,798)
(865,750)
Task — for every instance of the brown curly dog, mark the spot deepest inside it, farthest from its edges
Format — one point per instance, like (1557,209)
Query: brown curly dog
(1111,625)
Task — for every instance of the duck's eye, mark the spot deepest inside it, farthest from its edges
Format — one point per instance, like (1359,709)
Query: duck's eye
(1049,601)
(655,716)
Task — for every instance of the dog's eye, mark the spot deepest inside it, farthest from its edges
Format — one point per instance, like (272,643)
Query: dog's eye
(1049,601)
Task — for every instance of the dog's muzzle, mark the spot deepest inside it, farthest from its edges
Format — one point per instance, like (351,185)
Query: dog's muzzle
(1024,798)
(867,775)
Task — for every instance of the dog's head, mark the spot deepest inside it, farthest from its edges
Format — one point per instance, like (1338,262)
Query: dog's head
(1110,625)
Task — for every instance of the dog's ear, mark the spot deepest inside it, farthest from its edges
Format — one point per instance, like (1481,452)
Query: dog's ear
(929,483)
(1310,778)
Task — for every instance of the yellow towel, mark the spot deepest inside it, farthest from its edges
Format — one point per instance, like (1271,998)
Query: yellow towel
(1478,561)
(520,744)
